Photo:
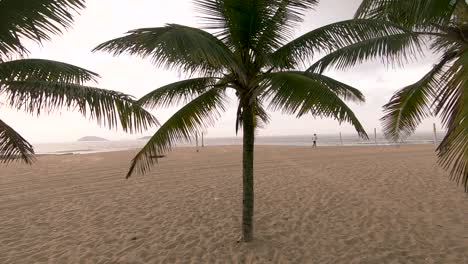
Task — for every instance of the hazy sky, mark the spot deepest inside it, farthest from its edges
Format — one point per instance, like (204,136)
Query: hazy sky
(106,19)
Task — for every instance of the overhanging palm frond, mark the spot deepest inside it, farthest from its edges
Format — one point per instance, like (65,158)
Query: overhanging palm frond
(443,90)
(192,118)
(174,47)
(453,150)
(392,49)
(407,12)
(13,146)
(45,70)
(451,95)
(451,106)
(33,19)
(295,93)
(301,50)
(108,108)
(174,93)
(409,106)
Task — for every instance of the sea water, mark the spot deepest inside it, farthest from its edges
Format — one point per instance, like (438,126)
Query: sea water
(297,140)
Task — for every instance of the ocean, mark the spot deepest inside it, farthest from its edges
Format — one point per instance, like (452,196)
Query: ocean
(82,147)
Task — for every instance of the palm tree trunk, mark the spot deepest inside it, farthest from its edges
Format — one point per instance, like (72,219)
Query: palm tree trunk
(247,173)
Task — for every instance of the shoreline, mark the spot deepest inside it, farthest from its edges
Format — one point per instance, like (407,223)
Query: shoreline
(84,152)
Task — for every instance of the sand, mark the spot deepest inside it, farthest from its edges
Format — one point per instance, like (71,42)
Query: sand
(329,205)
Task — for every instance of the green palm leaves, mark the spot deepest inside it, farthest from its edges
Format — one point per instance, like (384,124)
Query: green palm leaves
(410,105)
(174,47)
(13,146)
(442,25)
(300,94)
(408,13)
(192,118)
(34,20)
(46,70)
(43,86)
(247,53)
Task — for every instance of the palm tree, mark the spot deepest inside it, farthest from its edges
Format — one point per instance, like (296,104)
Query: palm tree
(440,26)
(248,52)
(37,86)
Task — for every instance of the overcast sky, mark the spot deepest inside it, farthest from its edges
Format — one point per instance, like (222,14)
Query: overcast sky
(106,19)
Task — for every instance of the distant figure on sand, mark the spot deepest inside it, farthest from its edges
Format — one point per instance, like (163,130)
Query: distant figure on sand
(314,140)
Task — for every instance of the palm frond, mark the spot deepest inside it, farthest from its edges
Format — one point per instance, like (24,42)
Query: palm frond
(409,106)
(279,26)
(192,118)
(175,47)
(446,43)
(174,93)
(392,49)
(108,108)
(35,20)
(236,23)
(300,94)
(344,91)
(453,150)
(13,146)
(242,25)
(450,95)
(407,12)
(451,105)
(44,70)
(301,50)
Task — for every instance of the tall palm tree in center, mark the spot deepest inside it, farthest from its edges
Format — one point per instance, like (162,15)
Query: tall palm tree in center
(246,47)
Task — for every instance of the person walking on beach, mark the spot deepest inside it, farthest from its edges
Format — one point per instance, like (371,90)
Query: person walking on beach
(314,140)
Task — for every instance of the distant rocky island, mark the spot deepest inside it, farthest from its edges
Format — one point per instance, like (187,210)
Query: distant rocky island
(92,138)
(145,138)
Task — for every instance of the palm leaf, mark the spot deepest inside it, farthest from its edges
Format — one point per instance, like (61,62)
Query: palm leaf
(108,108)
(192,118)
(13,146)
(44,70)
(252,28)
(451,95)
(175,47)
(300,94)
(407,12)
(33,19)
(412,104)
(301,50)
(392,49)
(285,16)
(237,23)
(174,93)
(343,90)
(451,105)
(453,150)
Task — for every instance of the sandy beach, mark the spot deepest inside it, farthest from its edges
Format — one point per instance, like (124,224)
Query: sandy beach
(330,205)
